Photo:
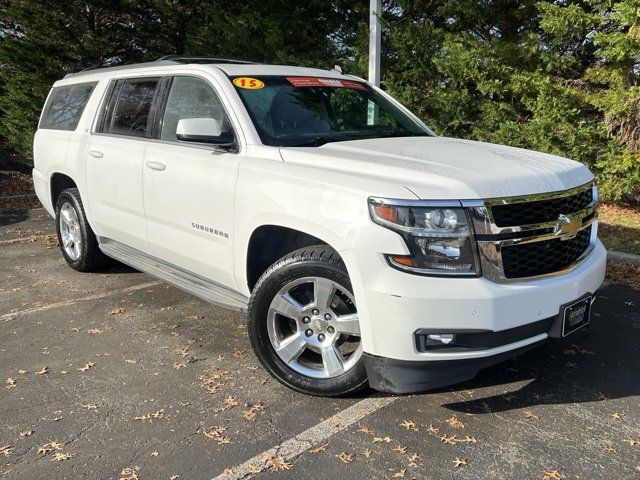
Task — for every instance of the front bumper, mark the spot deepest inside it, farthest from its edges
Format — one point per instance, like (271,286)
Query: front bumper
(402,376)
(393,306)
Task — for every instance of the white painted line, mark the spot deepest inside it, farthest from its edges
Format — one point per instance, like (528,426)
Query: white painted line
(314,436)
(64,303)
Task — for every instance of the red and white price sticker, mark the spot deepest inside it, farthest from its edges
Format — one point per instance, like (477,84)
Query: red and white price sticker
(325,82)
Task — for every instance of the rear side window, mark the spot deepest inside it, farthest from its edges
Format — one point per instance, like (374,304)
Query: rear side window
(65,106)
(128,111)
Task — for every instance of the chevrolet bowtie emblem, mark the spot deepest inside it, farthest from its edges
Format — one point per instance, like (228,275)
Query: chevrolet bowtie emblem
(568,226)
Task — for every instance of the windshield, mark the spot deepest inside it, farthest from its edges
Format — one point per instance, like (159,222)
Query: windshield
(312,111)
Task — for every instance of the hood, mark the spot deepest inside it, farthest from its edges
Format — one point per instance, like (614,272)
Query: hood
(446,168)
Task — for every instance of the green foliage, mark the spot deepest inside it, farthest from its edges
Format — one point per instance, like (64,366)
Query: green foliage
(555,76)
(558,76)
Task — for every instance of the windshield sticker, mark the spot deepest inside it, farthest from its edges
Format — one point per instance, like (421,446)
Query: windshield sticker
(248,83)
(325,82)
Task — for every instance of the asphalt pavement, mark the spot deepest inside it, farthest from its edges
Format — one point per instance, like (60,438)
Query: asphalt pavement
(116,375)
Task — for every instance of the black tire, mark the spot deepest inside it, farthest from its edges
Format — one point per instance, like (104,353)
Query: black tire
(91,257)
(315,261)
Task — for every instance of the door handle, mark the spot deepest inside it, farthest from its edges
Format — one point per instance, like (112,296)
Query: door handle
(156,166)
(95,153)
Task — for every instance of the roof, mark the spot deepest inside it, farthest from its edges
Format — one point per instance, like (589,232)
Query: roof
(232,68)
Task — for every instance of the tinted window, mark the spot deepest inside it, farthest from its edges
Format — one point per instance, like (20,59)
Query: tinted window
(65,106)
(311,111)
(131,114)
(191,97)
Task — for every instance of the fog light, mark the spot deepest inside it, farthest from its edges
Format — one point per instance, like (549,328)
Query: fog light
(440,339)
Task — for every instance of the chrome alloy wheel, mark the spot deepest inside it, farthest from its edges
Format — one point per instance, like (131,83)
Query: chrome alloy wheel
(70,232)
(313,327)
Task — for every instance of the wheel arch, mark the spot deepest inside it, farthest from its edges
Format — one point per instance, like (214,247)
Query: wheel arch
(269,242)
(58,183)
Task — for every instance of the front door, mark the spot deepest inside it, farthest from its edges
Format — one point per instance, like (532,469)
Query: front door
(115,155)
(189,187)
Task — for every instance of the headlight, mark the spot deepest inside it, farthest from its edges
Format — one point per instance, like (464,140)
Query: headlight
(440,238)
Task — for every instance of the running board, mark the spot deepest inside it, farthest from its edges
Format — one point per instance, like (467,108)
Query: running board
(189,282)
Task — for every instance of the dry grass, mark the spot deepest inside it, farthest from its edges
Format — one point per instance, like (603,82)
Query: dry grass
(624,274)
(15,183)
(620,228)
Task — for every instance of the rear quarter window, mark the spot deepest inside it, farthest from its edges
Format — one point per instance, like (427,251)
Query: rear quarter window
(65,106)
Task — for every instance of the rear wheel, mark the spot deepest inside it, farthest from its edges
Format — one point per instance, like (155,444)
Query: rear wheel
(77,241)
(304,326)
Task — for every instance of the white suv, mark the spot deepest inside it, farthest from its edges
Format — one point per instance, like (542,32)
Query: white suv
(366,249)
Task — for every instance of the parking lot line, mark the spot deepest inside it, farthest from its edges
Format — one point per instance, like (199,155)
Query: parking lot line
(311,437)
(64,303)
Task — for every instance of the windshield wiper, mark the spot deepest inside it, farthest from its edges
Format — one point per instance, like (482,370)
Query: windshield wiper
(321,140)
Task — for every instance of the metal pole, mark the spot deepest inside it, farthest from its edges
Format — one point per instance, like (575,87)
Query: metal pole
(374,41)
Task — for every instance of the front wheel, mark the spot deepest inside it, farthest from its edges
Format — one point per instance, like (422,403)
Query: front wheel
(304,326)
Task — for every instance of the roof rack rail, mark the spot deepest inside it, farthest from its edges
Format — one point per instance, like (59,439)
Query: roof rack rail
(187,58)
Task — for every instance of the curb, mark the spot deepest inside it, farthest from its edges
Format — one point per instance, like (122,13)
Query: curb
(627,258)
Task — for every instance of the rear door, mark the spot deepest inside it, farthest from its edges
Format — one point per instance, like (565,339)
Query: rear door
(189,187)
(115,160)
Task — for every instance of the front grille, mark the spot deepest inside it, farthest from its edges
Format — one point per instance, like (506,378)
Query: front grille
(541,211)
(540,258)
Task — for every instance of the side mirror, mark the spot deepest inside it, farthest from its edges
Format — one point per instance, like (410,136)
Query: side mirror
(202,130)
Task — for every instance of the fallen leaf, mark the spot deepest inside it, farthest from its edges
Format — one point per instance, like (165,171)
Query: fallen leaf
(364,429)
(470,439)
(409,425)
(116,311)
(95,331)
(552,475)
(152,416)
(460,462)
(399,473)
(6,450)
(11,382)
(42,371)
(452,440)
(86,367)
(609,449)
(530,415)
(90,406)
(616,416)
(318,449)
(432,430)
(345,457)
(60,456)
(454,422)
(49,447)
(400,449)
(632,442)
(276,464)
(130,473)
(26,433)
(253,410)
(366,453)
